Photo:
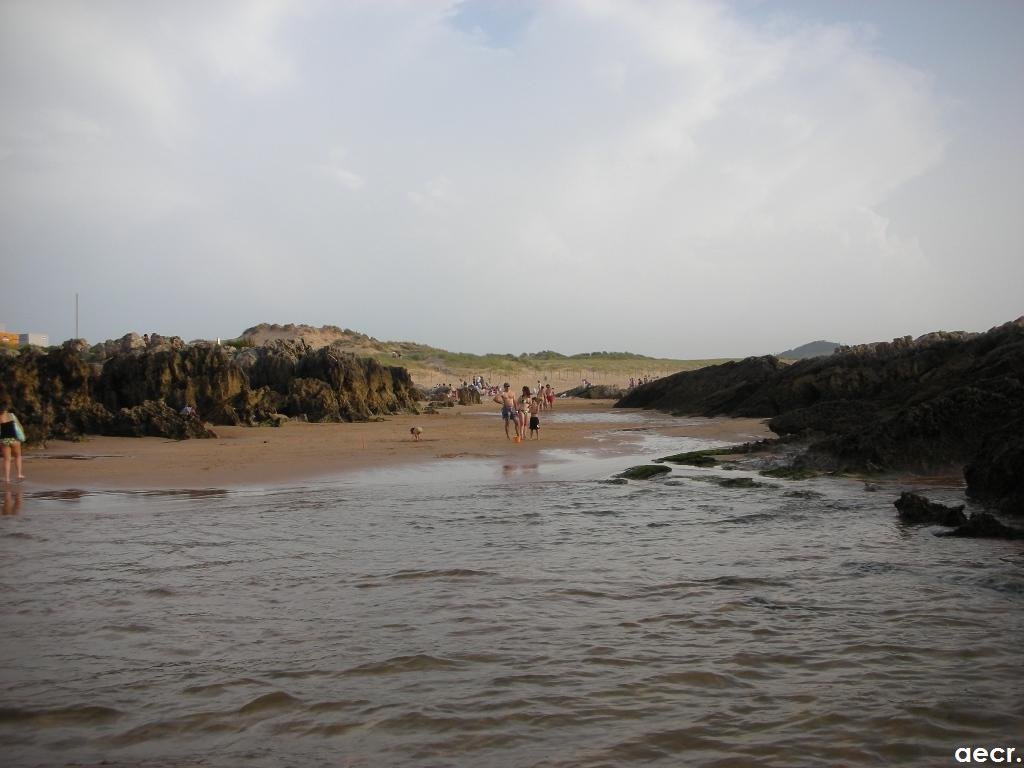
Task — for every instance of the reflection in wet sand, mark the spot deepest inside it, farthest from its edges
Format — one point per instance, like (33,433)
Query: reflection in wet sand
(12,501)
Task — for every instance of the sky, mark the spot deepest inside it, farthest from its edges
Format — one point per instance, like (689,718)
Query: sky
(677,179)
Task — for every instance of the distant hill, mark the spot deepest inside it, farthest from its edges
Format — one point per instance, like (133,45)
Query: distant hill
(314,336)
(429,365)
(812,349)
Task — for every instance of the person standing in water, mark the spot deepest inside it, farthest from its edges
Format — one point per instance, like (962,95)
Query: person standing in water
(11,437)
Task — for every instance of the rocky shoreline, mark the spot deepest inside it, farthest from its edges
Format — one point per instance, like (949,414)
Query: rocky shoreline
(138,387)
(943,401)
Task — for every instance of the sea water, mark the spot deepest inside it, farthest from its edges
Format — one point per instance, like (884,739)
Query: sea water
(504,613)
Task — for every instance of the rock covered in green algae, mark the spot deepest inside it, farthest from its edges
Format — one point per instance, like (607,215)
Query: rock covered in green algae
(704,458)
(644,471)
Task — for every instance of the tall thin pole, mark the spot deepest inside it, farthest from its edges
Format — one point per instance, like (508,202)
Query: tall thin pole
(76,315)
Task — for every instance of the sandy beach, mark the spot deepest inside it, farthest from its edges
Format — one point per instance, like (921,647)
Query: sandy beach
(262,456)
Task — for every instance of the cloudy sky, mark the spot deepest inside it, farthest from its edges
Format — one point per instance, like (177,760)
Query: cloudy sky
(683,179)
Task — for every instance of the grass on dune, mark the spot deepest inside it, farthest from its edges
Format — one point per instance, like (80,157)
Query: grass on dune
(430,365)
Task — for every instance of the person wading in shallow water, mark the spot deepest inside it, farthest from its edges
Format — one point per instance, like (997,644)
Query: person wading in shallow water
(508,409)
(10,441)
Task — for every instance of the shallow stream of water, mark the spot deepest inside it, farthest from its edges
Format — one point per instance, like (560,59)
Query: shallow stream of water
(476,614)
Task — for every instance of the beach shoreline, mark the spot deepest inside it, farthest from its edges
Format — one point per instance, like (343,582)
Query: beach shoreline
(296,452)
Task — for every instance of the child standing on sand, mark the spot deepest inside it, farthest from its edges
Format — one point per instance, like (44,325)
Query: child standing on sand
(535,419)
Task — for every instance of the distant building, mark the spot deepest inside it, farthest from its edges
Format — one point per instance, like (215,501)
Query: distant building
(15,340)
(35,339)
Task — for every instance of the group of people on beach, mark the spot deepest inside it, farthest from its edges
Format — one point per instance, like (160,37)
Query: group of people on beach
(529,404)
(639,382)
(451,391)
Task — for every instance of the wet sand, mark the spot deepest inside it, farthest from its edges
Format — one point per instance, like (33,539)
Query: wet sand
(262,456)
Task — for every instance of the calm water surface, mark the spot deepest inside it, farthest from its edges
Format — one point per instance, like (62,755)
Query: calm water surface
(474,614)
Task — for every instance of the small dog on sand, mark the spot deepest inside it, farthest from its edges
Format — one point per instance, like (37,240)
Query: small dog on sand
(415,432)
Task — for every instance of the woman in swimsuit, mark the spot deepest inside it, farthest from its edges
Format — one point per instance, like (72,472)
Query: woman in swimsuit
(524,409)
(10,443)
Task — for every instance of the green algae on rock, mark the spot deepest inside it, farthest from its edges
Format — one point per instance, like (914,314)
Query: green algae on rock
(644,471)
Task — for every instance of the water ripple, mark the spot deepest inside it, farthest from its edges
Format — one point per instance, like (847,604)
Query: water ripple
(518,621)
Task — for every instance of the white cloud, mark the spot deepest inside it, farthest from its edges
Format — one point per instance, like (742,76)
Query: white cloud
(240,41)
(336,169)
(436,197)
(89,60)
(651,156)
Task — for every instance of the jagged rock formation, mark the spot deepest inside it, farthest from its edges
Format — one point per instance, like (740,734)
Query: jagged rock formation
(994,474)
(316,337)
(717,389)
(596,392)
(983,525)
(943,400)
(154,418)
(140,388)
(917,509)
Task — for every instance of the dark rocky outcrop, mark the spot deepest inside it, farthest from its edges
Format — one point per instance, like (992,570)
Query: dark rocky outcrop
(710,391)
(364,388)
(595,392)
(984,525)
(204,376)
(314,398)
(154,418)
(138,387)
(272,365)
(945,400)
(994,474)
(917,509)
